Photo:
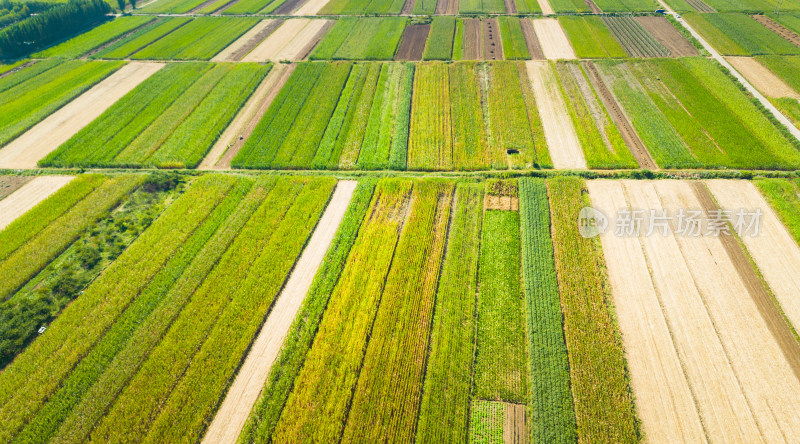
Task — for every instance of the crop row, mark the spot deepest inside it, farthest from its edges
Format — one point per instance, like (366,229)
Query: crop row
(784,196)
(368,38)
(96,37)
(28,102)
(439,45)
(739,34)
(590,37)
(135,41)
(171,119)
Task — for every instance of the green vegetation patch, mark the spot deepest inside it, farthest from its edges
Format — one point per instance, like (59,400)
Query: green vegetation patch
(440,40)
(590,37)
(98,36)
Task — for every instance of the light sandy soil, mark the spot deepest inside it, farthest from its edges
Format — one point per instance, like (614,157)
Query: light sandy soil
(312,7)
(761,369)
(664,400)
(515,424)
(227,54)
(546,8)
(555,44)
(28,195)
(774,251)
(252,376)
(562,141)
(49,134)
(289,42)
(762,78)
(239,130)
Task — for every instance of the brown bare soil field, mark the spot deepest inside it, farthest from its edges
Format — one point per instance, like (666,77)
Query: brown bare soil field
(629,135)
(505,203)
(664,400)
(515,424)
(562,141)
(252,376)
(593,7)
(293,40)
(413,43)
(779,29)
(49,134)
(244,44)
(472,39)
(28,195)
(492,47)
(231,141)
(667,35)
(311,7)
(547,9)
(408,7)
(774,251)
(555,44)
(446,7)
(9,184)
(700,6)
(511,7)
(756,356)
(288,6)
(762,78)
(531,41)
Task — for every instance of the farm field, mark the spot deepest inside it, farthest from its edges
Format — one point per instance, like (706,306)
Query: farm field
(739,34)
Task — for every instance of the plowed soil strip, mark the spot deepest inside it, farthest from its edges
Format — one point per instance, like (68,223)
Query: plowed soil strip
(244,44)
(447,7)
(756,355)
(231,141)
(492,47)
(511,7)
(779,29)
(472,39)
(562,141)
(532,42)
(300,46)
(593,7)
(667,35)
(413,43)
(250,379)
(515,424)
(28,195)
(288,6)
(57,128)
(555,44)
(408,7)
(762,78)
(312,7)
(664,400)
(774,252)
(700,6)
(9,184)
(627,131)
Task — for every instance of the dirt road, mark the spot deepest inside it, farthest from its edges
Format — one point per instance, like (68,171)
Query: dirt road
(28,196)
(252,376)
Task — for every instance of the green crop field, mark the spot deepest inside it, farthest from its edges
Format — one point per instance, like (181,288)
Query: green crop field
(591,38)
(440,40)
(361,39)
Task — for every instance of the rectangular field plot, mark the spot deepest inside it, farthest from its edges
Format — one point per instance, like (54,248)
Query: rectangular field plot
(590,37)
(143,36)
(739,34)
(98,37)
(223,248)
(777,77)
(368,38)
(635,38)
(172,119)
(627,5)
(689,114)
(364,7)
(200,39)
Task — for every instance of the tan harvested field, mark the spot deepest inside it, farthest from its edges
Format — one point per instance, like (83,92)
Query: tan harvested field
(293,40)
(9,184)
(413,43)
(555,44)
(311,7)
(408,7)
(28,195)
(229,143)
(667,35)
(472,39)
(743,383)
(664,400)
(546,8)
(26,150)
(492,46)
(252,376)
(515,424)
(531,41)
(505,203)
(562,141)
(762,78)
(244,44)
(774,250)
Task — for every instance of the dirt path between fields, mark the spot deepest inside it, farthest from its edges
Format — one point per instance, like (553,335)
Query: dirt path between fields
(515,424)
(472,39)
(531,41)
(413,43)
(555,44)
(664,400)
(252,376)
(244,44)
(447,7)
(18,68)
(28,196)
(235,135)
(629,135)
(779,29)
(774,252)
(26,150)
(756,356)
(9,184)
(667,35)
(762,78)
(562,141)
(492,47)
